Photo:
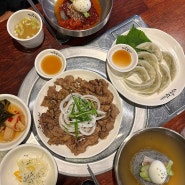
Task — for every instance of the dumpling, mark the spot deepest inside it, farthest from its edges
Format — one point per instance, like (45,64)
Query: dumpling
(166,79)
(139,86)
(151,48)
(149,68)
(139,71)
(170,62)
(150,58)
(136,86)
(154,87)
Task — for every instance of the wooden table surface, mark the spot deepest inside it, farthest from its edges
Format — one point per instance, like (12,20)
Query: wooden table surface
(167,15)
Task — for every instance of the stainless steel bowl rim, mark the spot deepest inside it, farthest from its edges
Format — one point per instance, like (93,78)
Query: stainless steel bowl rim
(77,33)
(134,134)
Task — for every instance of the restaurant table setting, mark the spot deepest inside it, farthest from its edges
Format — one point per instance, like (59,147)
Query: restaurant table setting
(136,112)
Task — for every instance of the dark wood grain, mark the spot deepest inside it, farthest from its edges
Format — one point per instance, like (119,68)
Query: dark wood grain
(167,15)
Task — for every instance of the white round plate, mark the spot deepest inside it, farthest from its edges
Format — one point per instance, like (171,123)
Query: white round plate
(166,43)
(63,150)
(9,163)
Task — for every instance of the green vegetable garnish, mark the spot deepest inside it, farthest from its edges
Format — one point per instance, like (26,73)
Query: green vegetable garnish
(169,168)
(144,173)
(86,14)
(82,111)
(133,38)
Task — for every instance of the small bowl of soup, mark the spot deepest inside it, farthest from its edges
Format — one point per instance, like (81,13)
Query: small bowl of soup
(151,156)
(122,58)
(50,63)
(15,121)
(26,27)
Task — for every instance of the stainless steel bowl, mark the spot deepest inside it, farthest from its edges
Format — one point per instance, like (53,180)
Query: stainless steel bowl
(48,8)
(162,140)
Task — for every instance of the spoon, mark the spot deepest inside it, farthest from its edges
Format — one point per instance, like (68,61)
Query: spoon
(46,23)
(92,175)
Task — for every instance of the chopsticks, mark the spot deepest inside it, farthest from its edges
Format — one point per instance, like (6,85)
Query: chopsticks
(44,20)
(92,175)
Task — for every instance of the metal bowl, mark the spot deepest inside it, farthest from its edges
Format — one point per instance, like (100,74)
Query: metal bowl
(48,8)
(161,140)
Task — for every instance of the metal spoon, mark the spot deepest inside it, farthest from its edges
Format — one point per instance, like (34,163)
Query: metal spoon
(92,175)
(44,20)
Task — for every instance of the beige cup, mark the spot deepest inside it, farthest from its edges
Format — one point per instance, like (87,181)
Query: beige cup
(15,18)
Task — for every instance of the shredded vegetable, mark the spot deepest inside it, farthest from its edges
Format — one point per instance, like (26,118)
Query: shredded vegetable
(79,114)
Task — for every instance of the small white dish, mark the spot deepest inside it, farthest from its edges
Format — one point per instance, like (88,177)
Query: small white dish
(27,151)
(122,58)
(5,146)
(15,18)
(53,66)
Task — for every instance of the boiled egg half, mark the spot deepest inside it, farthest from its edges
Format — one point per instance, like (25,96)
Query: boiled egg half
(157,172)
(82,5)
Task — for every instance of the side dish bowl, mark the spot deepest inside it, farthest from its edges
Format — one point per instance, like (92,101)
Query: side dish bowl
(162,140)
(4,146)
(50,63)
(9,165)
(48,8)
(122,58)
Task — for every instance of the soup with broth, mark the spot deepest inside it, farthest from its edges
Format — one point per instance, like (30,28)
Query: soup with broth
(163,143)
(27,28)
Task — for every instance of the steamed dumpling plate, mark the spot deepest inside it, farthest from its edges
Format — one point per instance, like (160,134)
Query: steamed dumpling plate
(157,70)
(158,76)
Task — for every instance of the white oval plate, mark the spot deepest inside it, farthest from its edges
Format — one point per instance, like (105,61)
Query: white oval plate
(9,163)
(63,150)
(166,43)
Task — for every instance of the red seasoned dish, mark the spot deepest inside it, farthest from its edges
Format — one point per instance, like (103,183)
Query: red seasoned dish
(68,17)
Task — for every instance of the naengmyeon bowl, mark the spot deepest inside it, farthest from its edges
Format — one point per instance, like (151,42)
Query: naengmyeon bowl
(5,146)
(48,8)
(157,139)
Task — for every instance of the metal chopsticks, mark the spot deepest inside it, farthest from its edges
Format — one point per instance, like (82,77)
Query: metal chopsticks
(44,20)
(92,175)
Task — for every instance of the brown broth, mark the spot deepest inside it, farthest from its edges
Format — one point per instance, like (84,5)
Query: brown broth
(51,64)
(14,108)
(121,58)
(165,144)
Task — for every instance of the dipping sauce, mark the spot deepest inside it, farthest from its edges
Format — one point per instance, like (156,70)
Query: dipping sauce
(27,28)
(51,64)
(121,58)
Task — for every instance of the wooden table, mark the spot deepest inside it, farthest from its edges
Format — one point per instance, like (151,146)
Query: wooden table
(167,15)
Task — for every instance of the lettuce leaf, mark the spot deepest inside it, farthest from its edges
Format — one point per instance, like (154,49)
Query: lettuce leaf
(133,38)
